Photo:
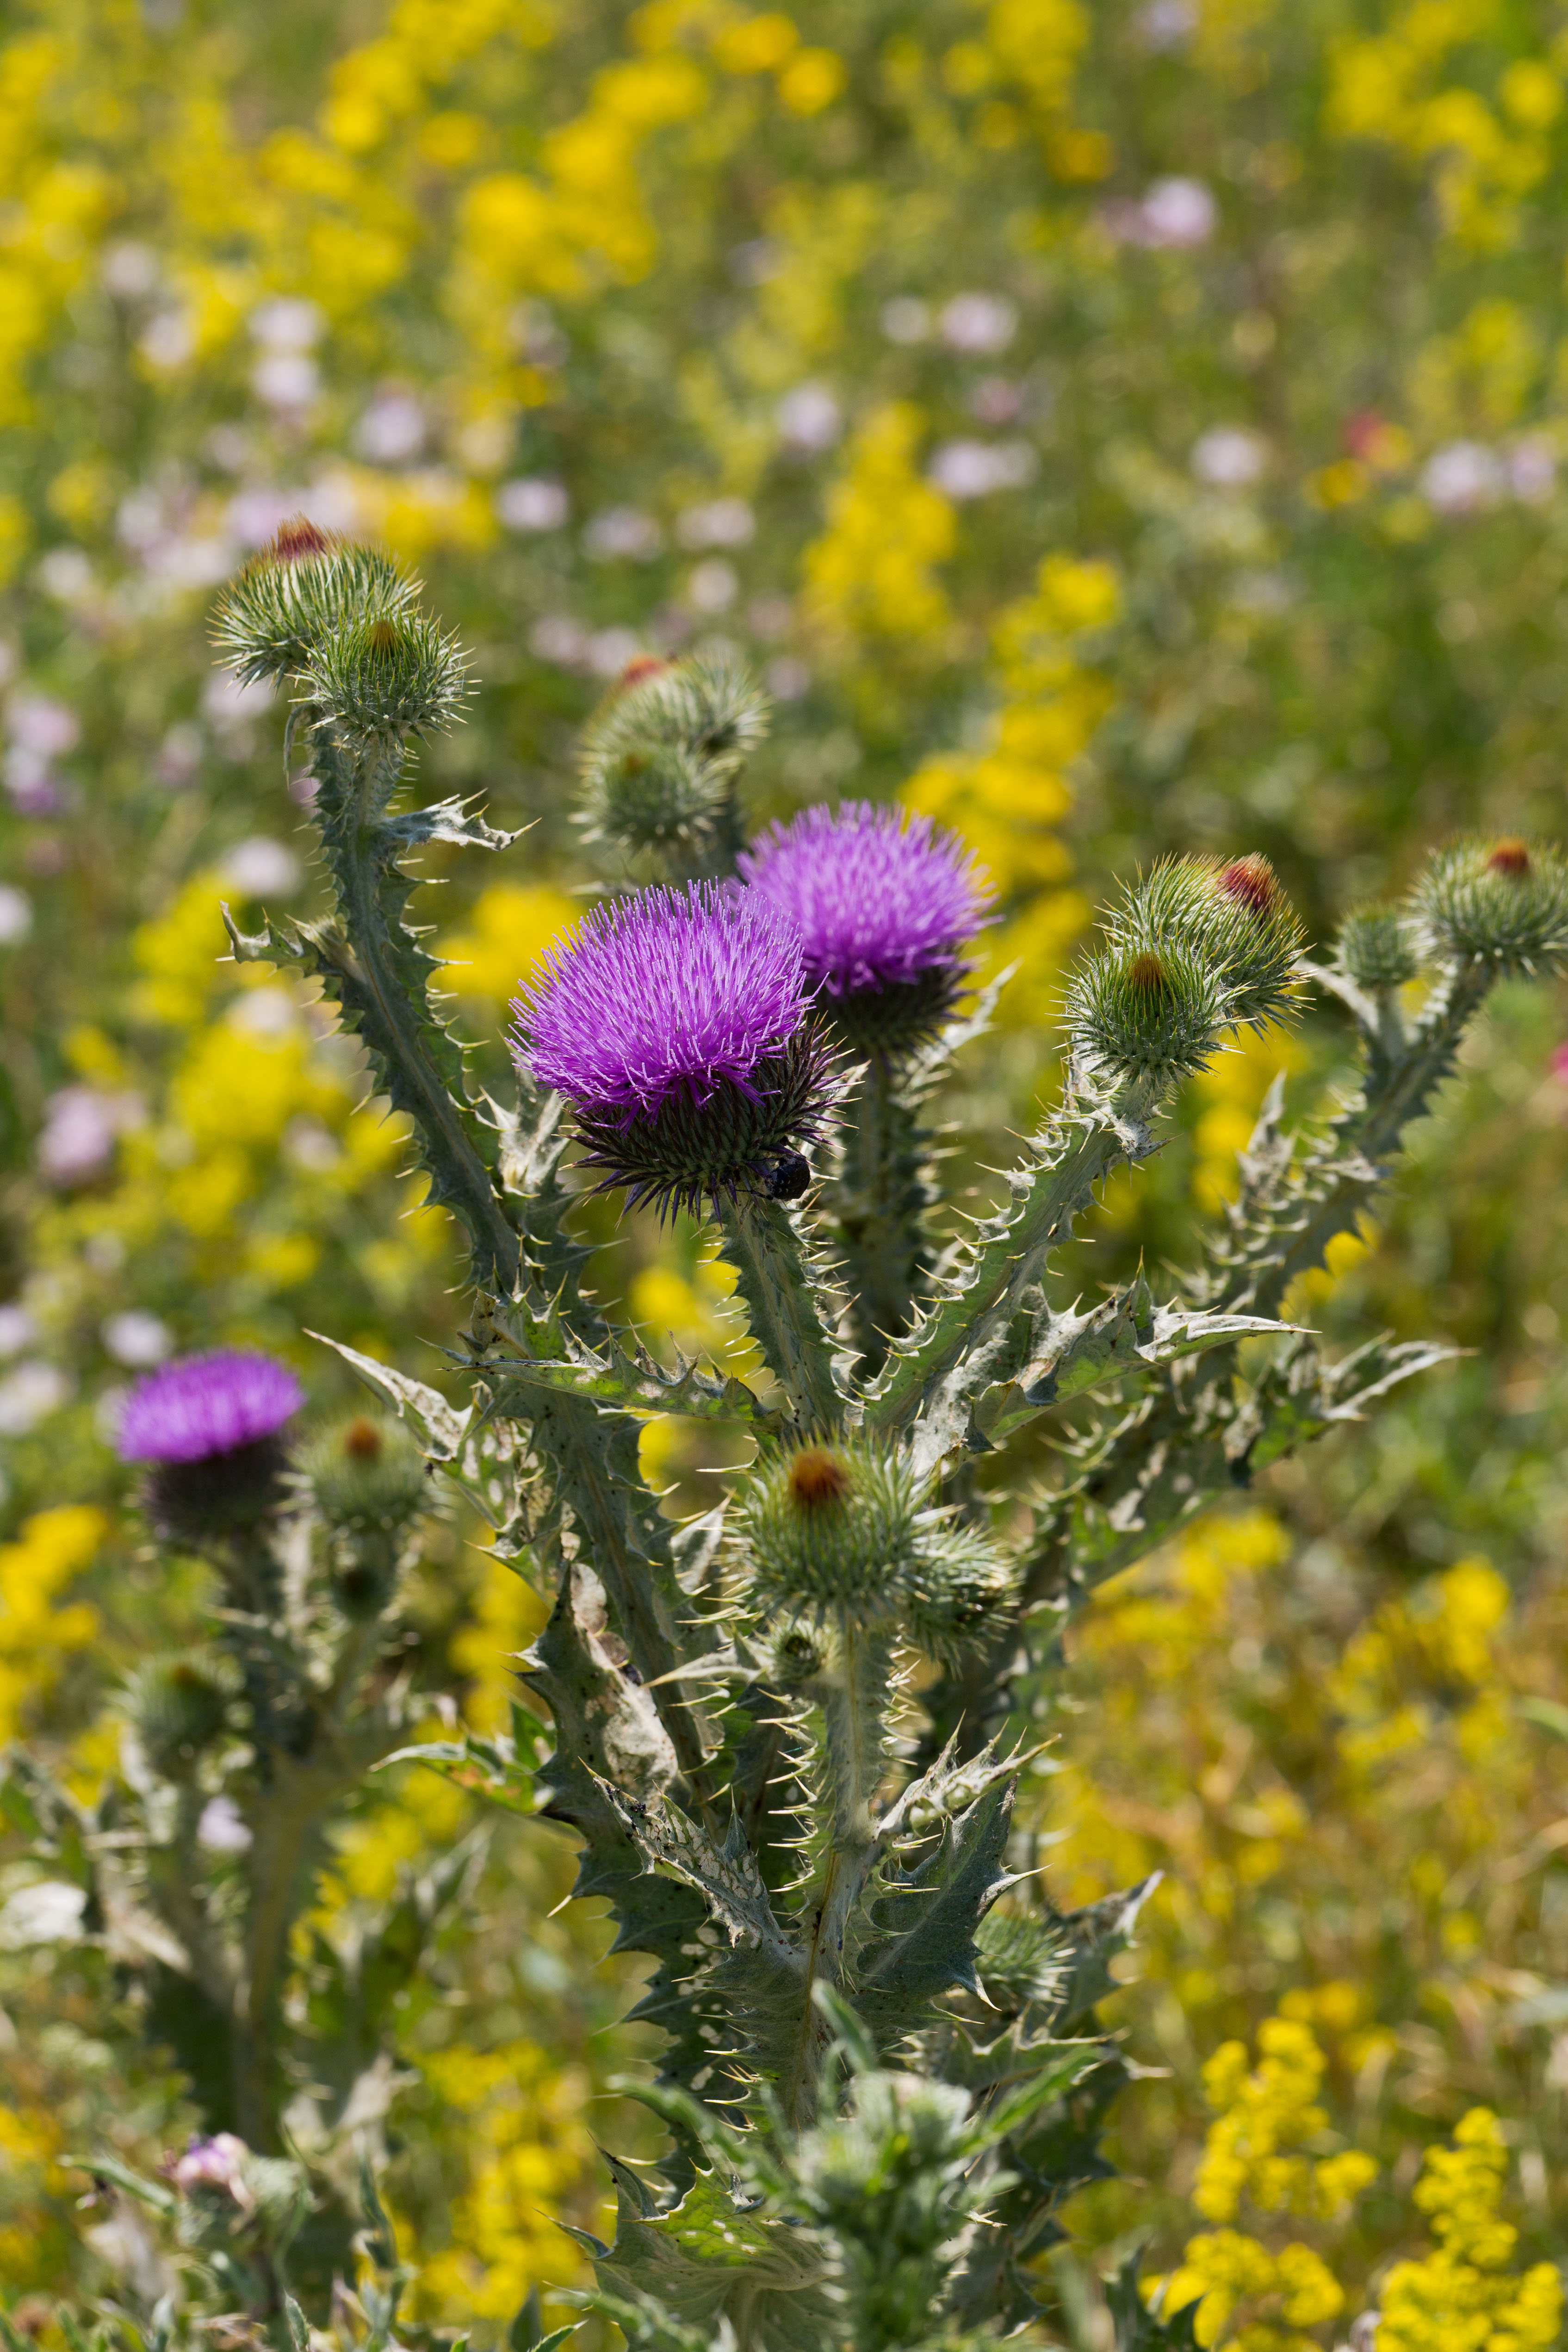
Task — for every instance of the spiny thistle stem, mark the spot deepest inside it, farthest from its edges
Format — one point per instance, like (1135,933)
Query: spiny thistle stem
(878,1203)
(764,1243)
(1012,1246)
(393,1004)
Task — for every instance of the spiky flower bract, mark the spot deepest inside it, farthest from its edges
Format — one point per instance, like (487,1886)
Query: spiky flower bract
(1230,916)
(884,904)
(1374,948)
(676,1023)
(210,1427)
(847,1529)
(366,1473)
(1149,1015)
(1501,905)
(395,674)
(178,1706)
(303,588)
(660,759)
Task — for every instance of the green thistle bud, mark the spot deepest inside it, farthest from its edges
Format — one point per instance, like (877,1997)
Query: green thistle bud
(1145,1014)
(848,1529)
(831,1527)
(178,1706)
(1499,904)
(1374,948)
(1232,917)
(396,674)
(659,761)
(955,1598)
(1019,1960)
(298,591)
(365,1475)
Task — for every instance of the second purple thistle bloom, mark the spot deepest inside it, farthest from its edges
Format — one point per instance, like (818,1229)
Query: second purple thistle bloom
(884,904)
(677,1024)
(209,1427)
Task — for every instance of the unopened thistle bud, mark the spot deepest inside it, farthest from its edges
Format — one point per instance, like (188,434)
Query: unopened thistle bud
(885,904)
(368,1481)
(1375,950)
(660,759)
(209,1427)
(178,1706)
(677,1023)
(396,674)
(1233,918)
(300,590)
(1503,905)
(366,1472)
(1146,1014)
(846,1531)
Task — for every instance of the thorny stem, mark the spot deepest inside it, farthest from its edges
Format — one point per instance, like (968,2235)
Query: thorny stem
(763,1243)
(878,1213)
(855,1703)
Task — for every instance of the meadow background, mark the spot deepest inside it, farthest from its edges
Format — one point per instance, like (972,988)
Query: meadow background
(1113,429)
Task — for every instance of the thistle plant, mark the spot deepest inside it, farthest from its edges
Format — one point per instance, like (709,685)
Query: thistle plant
(198,1861)
(789,1734)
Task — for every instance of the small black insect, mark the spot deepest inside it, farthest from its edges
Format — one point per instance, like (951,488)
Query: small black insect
(791,1176)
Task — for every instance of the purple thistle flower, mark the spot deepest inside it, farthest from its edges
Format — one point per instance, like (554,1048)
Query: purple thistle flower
(206,1404)
(676,1023)
(884,904)
(664,995)
(209,1428)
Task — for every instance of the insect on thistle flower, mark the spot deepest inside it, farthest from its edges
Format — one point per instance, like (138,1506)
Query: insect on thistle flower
(885,904)
(209,1427)
(678,1025)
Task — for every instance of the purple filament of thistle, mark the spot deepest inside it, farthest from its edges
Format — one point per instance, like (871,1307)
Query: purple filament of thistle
(206,1404)
(878,897)
(663,996)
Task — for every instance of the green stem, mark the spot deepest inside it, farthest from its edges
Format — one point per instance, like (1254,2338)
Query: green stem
(855,1699)
(763,1243)
(878,1213)
(953,1348)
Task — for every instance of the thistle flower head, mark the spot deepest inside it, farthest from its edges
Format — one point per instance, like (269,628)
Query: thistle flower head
(659,757)
(302,588)
(210,1429)
(846,1530)
(676,1023)
(1232,917)
(366,1474)
(884,904)
(1374,948)
(1503,905)
(203,1405)
(178,1706)
(1146,1013)
(394,674)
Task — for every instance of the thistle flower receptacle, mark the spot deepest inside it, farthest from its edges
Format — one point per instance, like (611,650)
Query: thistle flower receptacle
(660,759)
(1500,906)
(1230,917)
(677,1024)
(846,1531)
(209,1428)
(885,904)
